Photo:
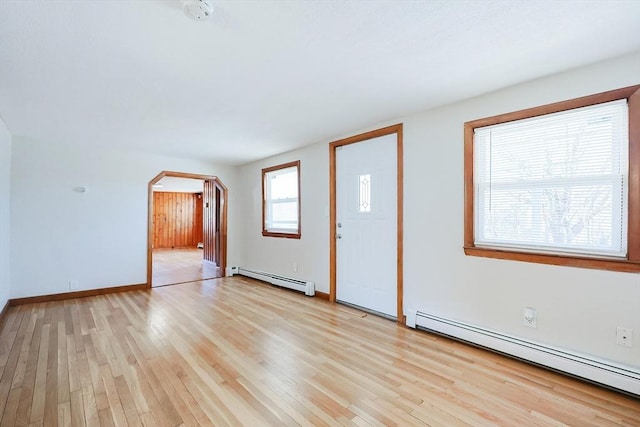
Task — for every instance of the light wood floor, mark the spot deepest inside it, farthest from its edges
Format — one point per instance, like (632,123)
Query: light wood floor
(234,351)
(171,266)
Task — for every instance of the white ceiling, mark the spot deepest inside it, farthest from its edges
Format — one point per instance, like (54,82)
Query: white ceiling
(263,77)
(180,185)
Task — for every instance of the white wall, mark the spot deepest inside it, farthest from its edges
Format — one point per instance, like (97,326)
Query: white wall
(578,309)
(5,190)
(278,255)
(98,238)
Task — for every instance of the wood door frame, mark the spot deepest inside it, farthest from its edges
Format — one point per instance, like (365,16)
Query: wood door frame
(219,203)
(223,226)
(389,130)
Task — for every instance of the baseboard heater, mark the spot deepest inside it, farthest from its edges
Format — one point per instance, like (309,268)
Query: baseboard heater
(604,372)
(308,288)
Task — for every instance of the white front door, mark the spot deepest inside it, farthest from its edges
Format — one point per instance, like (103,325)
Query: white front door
(366,224)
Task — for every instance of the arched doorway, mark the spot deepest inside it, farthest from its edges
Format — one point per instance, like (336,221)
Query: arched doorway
(214,220)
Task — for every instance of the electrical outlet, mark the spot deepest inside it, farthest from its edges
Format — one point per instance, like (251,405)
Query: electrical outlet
(530,317)
(624,336)
(74,284)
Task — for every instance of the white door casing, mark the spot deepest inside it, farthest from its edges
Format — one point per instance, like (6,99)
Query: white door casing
(366,224)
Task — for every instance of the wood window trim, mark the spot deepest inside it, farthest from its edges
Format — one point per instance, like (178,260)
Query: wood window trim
(397,129)
(632,262)
(265,232)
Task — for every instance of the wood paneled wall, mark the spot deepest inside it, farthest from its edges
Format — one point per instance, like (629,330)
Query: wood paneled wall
(177,220)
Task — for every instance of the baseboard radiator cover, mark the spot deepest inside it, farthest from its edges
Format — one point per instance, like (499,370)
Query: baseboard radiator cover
(604,372)
(308,288)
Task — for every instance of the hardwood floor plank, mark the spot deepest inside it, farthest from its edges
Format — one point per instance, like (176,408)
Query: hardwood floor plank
(234,351)
(88,398)
(51,382)
(68,318)
(77,325)
(11,366)
(302,410)
(399,413)
(128,405)
(148,420)
(64,414)
(166,406)
(148,394)
(99,393)
(7,335)
(39,391)
(113,397)
(72,360)
(210,405)
(28,385)
(77,409)
(64,387)
(21,366)
(106,420)
(262,403)
(8,417)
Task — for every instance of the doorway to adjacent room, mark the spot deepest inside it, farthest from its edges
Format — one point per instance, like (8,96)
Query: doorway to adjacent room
(187,234)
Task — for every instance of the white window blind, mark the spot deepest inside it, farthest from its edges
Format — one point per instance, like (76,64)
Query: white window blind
(555,183)
(282,200)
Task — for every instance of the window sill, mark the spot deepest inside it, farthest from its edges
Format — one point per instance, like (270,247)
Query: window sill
(568,261)
(284,235)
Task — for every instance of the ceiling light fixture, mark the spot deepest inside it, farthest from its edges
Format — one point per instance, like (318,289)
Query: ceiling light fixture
(198,10)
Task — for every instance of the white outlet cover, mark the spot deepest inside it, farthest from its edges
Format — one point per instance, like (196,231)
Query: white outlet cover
(624,336)
(530,317)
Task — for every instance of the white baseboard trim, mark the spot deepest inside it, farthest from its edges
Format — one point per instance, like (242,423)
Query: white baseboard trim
(601,371)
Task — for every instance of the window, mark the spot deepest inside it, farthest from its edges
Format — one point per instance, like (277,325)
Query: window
(364,199)
(281,200)
(558,184)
